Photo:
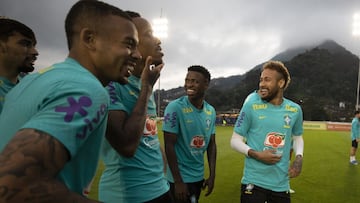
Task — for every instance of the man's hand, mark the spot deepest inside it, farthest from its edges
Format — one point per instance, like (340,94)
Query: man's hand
(181,191)
(209,183)
(296,166)
(151,72)
(268,156)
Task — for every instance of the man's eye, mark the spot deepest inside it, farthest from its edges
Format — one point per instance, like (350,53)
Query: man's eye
(26,43)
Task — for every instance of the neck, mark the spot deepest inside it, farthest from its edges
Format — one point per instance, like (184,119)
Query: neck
(198,103)
(10,75)
(277,101)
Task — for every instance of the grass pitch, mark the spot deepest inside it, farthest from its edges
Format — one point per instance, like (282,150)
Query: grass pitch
(327,176)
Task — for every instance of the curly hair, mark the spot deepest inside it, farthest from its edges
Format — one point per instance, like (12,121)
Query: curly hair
(280,68)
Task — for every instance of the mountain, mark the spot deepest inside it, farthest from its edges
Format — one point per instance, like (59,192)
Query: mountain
(323,81)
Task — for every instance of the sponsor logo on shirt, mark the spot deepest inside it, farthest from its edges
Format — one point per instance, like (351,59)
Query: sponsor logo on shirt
(197,141)
(170,117)
(152,143)
(44,70)
(74,107)
(274,140)
(290,108)
(259,106)
(79,107)
(240,119)
(187,110)
(150,128)
(112,93)
(208,112)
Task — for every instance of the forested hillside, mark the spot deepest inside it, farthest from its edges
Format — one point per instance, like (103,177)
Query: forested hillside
(324,82)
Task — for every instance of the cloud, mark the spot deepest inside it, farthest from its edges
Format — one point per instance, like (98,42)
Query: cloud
(229,37)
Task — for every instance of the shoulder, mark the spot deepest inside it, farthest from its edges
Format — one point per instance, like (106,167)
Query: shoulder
(209,106)
(292,106)
(178,102)
(291,103)
(252,98)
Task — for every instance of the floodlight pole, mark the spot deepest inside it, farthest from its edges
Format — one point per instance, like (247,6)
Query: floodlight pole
(358,85)
(160,31)
(356,32)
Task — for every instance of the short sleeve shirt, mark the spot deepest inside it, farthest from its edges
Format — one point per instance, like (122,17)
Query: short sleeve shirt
(193,128)
(5,87)
(124,177)
(67,102)
(266,126)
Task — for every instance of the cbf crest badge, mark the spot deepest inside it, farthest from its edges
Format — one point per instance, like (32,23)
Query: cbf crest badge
(287,120)
(208,122)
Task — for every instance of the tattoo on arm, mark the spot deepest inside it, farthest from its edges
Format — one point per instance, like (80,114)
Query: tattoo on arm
(297,164)
(28,167)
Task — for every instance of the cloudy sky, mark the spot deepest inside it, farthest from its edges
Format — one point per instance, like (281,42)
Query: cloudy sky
(229,37)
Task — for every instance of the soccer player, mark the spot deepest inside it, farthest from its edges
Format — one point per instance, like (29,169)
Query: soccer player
(131,154)
(268,121)
(355,137)
(53,122)
(17,54)
(189,131)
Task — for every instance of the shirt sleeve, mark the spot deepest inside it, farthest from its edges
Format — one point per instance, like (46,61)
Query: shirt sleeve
(298,127)
(171,119)
(115,95)
(71,114)
(243,121)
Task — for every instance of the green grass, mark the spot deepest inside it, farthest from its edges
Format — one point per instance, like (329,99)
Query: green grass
(327,176)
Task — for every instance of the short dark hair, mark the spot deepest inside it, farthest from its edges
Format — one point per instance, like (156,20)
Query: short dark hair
(88,13)
(356,112)
(202,70)
(133,14)
(9,27)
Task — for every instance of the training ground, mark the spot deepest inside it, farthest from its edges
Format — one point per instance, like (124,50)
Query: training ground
(327,176)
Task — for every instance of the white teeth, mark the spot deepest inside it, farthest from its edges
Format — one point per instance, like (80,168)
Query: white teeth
(263,90)
(131,68)
(190,91)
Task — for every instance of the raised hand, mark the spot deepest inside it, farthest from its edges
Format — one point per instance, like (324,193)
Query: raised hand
(151,72)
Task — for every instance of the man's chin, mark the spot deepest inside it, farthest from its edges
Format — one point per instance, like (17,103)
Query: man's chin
(27,69)
(157,62)
(123,81)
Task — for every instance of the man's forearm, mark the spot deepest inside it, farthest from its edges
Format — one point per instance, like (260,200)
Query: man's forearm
(211,153)
(41,191)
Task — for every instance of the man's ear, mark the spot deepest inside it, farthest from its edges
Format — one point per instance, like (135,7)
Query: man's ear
(282,83)
(2,47)
(88,38)
(207,83)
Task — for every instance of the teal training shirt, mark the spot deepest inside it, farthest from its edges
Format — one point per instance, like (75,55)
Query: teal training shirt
(355,125)
(5,87)
(67,102)
(266,126)
(193,128)
(141,177)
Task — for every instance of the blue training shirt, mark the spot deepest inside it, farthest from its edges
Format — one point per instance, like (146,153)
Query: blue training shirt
(355,129)
(5,87)
(141,177)
(268,126)
(193,128)
(67,102)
